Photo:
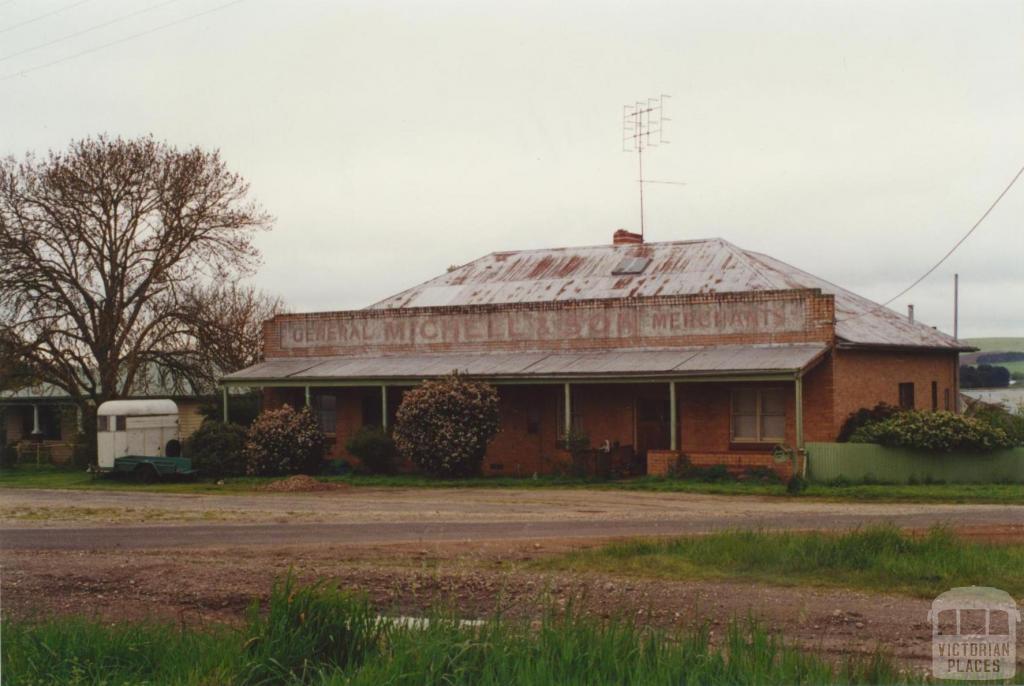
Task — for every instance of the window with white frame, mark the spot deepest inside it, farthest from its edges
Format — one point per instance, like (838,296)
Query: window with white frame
(758,415)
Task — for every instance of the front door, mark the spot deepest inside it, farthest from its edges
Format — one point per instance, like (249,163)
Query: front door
(652,425)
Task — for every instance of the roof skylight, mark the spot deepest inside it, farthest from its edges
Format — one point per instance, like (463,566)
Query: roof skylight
(631,265)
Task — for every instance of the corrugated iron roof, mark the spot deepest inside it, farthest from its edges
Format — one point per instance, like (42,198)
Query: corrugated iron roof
(677,362)
(676,268)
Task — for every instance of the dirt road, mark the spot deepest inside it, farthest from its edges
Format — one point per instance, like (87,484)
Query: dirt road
(90,520)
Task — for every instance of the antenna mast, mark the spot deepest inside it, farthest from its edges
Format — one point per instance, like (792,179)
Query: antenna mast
(643,127)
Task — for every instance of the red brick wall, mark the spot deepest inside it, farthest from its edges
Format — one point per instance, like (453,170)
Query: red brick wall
(841,383)
(864,378)
(819,401)
(516,451)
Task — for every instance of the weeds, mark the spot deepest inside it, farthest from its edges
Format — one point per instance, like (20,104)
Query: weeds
(320,635)
(877,558)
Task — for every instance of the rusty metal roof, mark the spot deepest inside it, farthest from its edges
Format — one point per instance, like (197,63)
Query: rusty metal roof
(678,362)
(675,268)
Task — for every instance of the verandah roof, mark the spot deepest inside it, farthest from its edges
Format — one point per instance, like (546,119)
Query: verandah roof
(711,362)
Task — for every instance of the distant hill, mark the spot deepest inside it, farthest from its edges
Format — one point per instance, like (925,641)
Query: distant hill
(996,345)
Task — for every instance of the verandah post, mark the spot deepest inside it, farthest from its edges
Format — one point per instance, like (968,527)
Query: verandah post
(568,413)
(799,384)
(384,407)
(673,417)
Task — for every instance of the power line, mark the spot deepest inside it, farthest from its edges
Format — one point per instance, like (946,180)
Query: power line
(105,24)
(133,36)
(947,255)
(44,16)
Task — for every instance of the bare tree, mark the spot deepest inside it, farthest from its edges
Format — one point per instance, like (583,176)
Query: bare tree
(227,327)
(101,250)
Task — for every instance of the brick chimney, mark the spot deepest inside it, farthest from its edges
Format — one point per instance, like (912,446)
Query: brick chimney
(623,237)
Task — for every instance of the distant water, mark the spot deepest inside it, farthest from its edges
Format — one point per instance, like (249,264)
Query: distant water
(1010,398)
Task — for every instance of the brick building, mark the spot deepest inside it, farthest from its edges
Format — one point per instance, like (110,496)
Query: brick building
(650,349)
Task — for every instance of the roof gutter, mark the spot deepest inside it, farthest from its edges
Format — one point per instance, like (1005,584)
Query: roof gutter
(843,344)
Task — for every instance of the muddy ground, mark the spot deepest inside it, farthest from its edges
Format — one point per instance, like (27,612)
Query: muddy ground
(475,576)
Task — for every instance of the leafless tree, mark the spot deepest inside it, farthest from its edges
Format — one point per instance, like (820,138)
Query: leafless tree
(227,327)
(103,248)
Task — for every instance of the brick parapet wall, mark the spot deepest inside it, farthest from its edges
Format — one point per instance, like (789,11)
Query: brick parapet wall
(817,325)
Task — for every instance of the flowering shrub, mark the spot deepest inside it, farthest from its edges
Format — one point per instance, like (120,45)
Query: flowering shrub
(284,442)
(934,431)
(216,449)
(444,426)
(1010,422)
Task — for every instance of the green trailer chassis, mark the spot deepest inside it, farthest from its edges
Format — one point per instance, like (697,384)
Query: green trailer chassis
(152,468)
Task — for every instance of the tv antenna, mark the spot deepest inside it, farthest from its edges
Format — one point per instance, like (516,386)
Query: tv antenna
(643,126)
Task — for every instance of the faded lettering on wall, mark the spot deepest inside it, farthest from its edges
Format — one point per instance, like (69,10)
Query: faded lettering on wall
(547,327)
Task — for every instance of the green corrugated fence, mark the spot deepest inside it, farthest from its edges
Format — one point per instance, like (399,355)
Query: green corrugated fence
(865,461)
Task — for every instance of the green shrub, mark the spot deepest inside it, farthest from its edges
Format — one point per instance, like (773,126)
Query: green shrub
(712,474)
(765,475)
(217,449)
(375,449)
(993,415)
(935,432)
(444,426)
(284,442)
(863,417)
(796,485)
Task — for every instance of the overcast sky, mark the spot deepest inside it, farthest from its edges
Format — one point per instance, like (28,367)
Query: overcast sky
(856,140)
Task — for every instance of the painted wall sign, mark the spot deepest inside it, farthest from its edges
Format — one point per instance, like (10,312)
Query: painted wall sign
(634,324)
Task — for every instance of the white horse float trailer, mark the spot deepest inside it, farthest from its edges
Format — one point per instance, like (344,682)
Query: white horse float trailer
(140,437)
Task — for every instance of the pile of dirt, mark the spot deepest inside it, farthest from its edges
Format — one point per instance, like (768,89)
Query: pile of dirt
(300,483)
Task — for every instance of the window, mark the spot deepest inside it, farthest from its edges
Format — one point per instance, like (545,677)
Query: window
(907,396)
(935,395)
(102,424)
(326,412)
(758,415)
(946,402)
(121,424)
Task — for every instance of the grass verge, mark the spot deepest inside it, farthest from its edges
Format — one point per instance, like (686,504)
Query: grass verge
(874,559)
(30,476)
(319,635)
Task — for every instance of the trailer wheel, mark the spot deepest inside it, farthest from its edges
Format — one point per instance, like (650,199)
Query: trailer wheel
(146,474)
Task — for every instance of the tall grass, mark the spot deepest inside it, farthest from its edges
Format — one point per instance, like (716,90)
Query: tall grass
(306,630)
(875,558)
(78,651)
(319,635)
